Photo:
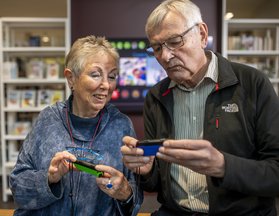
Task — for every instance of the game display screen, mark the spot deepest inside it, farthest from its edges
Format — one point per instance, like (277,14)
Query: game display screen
(138,72)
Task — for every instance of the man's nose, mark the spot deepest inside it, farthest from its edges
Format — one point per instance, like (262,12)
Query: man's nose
(167,53)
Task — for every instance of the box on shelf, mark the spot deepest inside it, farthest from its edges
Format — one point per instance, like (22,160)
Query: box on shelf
(28,98)
(20,128)
(13,98)
(251,40)
(47,97)
(35,69)
(10,70)
(34,41)
(56,95)
(13,151)
(44,97)
(52,69)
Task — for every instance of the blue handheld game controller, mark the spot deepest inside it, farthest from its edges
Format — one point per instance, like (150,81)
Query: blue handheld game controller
(150,147)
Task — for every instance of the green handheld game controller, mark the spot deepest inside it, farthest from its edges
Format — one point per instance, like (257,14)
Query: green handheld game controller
(87,167)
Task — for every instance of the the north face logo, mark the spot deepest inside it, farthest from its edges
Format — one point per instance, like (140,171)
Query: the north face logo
(230,108)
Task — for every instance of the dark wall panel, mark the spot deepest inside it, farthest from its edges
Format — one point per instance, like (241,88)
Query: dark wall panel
(126,18)
(111,18)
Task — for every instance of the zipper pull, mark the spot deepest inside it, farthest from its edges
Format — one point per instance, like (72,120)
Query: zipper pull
(217,122)
(216,86)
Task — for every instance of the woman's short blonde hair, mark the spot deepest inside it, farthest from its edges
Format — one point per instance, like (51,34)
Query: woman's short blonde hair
(85,48)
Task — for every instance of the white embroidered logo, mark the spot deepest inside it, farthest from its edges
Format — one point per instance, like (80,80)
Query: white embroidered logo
(230,108)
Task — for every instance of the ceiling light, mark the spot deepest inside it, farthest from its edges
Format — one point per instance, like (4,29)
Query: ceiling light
(229,15)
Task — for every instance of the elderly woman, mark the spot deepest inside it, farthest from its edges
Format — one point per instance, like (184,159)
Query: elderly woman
(45,180)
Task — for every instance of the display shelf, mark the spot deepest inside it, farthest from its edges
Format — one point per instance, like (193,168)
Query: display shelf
(254,42)
(8,191)
(274,80)
(33,49)
(32,52)
(9,165)
(14,137)
(34,81)
(253,52)
(20,109)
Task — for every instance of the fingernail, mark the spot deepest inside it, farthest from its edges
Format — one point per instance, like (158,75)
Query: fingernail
(146,159)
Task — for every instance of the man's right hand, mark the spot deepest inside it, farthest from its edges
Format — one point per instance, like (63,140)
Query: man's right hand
(133,157)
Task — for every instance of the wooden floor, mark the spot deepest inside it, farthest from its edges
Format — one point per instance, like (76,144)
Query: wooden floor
(10,212)
(6,212)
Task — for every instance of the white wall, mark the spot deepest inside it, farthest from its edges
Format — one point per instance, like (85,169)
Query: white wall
(33,8)
(254,8)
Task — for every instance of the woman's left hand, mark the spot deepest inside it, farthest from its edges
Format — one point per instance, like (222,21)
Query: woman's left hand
(113,183)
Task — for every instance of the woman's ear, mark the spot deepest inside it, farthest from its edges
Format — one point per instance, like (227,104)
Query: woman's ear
(70,77)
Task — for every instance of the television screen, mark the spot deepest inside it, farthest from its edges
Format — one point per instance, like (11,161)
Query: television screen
(132,71)
(138,72)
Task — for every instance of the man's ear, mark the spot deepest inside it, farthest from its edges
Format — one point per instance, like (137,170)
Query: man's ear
(69,76)
(204,34)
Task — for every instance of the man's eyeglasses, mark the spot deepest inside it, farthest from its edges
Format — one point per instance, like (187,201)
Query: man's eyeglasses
(171,43)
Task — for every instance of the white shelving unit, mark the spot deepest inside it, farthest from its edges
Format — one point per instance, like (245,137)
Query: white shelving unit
(254,42)
(32,52)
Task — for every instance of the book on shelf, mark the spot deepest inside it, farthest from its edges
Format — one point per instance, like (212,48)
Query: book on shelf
(268,41)
(251,41)
(44,96)
(28,98)
(10,70)
(20,128)
(35,69)
(56,95)
(52,69)
(47,97)
(13,150)
(13,98)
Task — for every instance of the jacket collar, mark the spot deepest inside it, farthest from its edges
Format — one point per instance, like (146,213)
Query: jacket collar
(226,77)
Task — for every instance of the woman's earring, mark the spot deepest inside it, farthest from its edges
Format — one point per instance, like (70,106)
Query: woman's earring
(72,89)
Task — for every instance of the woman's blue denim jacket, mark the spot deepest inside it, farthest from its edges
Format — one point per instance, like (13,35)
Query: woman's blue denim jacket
(49,135)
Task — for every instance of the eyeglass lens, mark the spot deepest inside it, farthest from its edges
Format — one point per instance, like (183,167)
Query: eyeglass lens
(171,43)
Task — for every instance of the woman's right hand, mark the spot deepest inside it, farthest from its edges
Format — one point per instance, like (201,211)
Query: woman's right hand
(59,166)
(133,157)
